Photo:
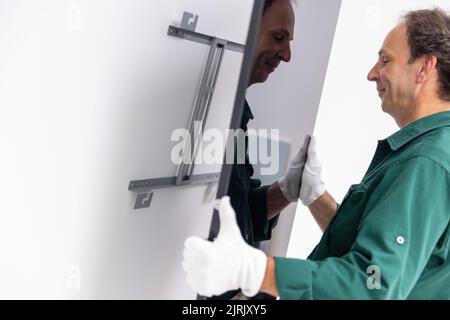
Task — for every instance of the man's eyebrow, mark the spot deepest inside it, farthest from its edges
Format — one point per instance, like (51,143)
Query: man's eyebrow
(382,52)
(286,33)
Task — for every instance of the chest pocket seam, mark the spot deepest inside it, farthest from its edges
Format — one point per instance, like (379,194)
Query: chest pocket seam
(341,232)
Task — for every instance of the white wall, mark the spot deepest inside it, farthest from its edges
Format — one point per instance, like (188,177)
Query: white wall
(350,119)
(90,92)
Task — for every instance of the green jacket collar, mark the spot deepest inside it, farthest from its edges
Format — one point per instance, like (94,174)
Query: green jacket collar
(417,128)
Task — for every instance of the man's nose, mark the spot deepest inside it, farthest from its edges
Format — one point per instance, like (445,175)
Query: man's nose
(373,74)
(285,53)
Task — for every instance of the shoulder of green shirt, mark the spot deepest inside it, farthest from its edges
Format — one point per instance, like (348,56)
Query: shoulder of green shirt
(434,145)
(428,137)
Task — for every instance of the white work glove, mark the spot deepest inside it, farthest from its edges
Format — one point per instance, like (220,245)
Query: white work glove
(290,183)
(227,263)
(312,186)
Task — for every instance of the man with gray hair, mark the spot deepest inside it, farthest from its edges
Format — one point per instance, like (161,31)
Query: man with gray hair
(390,237)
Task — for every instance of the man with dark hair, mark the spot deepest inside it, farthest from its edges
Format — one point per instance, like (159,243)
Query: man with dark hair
(390,237)
(257,207)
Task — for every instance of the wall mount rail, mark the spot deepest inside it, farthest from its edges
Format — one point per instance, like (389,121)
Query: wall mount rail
(199,112)
(168,182)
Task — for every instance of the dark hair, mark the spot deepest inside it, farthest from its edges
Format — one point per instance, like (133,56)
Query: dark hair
(428,32)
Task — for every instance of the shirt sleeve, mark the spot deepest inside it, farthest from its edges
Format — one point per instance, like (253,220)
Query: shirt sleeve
(403,220)
(262,227)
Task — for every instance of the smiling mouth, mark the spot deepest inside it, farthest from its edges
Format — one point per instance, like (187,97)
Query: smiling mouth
(381,92)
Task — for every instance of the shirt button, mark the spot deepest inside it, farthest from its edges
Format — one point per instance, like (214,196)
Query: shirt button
(400,240)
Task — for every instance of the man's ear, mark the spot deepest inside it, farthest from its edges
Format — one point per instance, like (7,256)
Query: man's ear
(427,65)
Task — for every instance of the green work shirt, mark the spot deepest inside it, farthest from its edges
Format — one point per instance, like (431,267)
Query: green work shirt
(248,197)
(390,237)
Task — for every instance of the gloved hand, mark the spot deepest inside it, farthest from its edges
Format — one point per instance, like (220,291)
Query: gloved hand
(290,183)
(312,186)
(225,264)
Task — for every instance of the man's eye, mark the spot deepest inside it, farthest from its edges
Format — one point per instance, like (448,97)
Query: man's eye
(278,37)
